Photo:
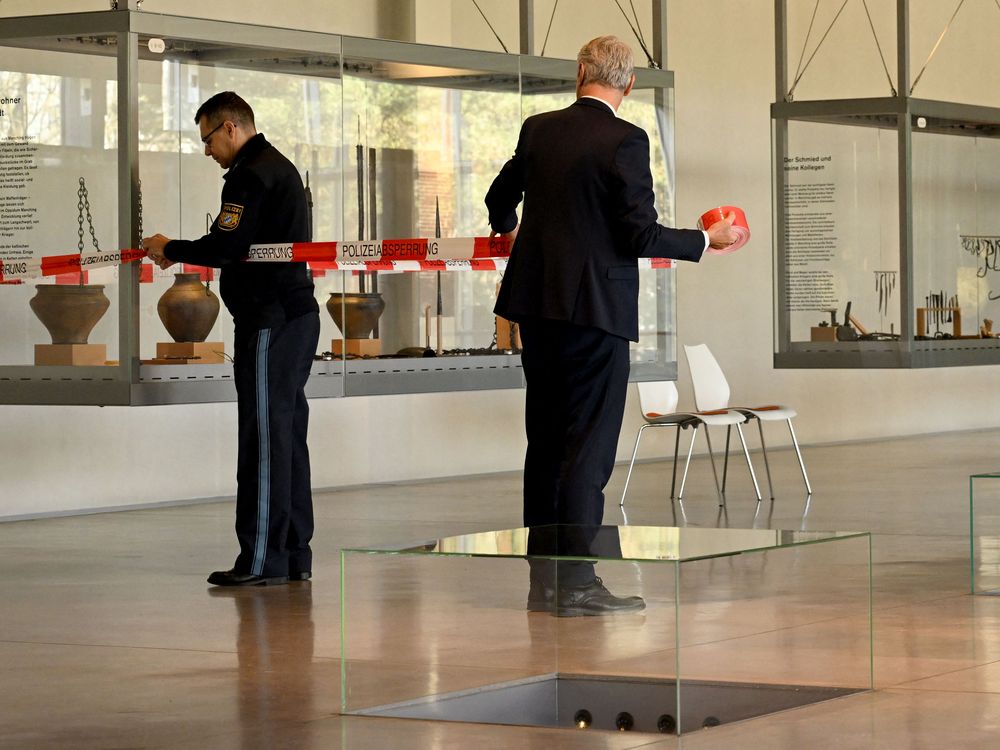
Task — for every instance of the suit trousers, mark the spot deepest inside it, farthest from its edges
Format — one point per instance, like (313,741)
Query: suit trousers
(274,513)
(576,383)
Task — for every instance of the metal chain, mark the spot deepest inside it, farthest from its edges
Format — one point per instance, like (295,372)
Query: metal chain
(83,205)
(140,210)
(79,217)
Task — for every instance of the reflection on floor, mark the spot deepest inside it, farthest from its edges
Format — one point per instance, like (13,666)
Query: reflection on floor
(109,636)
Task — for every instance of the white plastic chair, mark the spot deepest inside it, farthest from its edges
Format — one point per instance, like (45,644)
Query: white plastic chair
(711,391)
(658,401)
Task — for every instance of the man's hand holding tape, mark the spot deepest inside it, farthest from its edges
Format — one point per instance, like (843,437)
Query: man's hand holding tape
(154,250)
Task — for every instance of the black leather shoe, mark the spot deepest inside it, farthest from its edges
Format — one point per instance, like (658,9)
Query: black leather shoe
(302,575)
(578,601)
(232,578)
(541,598)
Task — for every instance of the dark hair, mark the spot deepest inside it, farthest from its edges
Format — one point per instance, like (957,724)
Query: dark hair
(226,105)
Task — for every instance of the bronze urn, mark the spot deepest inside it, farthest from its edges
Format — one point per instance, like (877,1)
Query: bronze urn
(188,309)
(69,311)
(355,313)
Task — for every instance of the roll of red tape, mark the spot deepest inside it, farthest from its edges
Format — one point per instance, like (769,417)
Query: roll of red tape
(740,226)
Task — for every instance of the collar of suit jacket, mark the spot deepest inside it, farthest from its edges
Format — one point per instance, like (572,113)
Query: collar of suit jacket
(597,101)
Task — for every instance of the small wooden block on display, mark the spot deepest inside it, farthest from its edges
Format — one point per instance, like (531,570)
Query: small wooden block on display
(71,354)
(189,353)
(357,347)
(505,330)
(823,333)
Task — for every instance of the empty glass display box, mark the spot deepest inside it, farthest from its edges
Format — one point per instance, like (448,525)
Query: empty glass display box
(727,624)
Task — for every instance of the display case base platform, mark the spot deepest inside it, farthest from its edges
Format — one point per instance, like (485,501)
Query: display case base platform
(189,352)
(77,355)
(356,347)
(737,623)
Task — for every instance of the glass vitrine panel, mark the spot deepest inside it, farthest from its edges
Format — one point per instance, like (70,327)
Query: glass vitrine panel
(422,141)
(839,235)
(903,233)
(956,235)
(395,140)
(58,212)
(297,105)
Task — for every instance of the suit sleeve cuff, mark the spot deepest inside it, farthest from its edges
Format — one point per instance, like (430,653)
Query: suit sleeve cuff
(508,224)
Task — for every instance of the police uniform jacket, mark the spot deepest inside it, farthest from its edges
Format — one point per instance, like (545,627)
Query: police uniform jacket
(263,201)
(588,216)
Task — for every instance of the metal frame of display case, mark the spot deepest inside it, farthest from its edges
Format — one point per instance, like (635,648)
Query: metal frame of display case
(899,113)
(132,383)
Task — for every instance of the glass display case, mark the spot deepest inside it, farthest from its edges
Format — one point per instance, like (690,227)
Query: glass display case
(885,241)
(736,623)
(395,141)
(984,533)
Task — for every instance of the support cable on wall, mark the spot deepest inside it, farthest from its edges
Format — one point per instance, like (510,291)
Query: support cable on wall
(549,29)
(937,44)
(791,91)
(879,47)
(801,69)
(491,27)
(637,32)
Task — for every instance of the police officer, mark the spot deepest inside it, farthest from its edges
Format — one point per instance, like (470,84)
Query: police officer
(276,331)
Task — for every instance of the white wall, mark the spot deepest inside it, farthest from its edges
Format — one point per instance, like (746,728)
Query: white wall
(56,458)
(59,458)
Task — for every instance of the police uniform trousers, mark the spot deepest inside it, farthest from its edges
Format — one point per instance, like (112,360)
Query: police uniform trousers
(576,383)
(274,514)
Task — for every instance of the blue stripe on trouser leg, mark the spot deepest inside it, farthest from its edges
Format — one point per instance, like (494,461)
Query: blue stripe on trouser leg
(263,455)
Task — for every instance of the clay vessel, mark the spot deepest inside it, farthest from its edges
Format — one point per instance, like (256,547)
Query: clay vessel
(359,312)
(69,311)
(188,309)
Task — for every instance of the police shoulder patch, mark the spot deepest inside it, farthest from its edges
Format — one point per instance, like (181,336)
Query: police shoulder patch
(229,217)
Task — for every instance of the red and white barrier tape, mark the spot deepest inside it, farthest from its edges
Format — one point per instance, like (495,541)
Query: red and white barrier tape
(740,227)
(372,251)
(57,265)
(434,254)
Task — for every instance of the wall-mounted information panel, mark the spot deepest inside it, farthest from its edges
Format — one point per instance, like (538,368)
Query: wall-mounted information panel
(397,143)
(885,234)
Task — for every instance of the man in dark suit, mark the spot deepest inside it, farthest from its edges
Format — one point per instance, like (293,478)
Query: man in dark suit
(572,285)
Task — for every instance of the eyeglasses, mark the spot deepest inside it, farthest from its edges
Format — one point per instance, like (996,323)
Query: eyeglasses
(208,137)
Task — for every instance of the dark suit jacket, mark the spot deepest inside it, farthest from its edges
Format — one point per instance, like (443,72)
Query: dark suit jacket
(588,216)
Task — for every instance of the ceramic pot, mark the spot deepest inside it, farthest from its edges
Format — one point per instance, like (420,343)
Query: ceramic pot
(358,312)
(69,311)
(188,309)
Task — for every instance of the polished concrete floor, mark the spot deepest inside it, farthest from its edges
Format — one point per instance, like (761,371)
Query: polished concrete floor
(110,637)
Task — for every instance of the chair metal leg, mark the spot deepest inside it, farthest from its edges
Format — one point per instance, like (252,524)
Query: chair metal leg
(746,453)
(798,453)
(715,474)
(677,444)
(725,462)
(687,464)
(763,449)
(631,463)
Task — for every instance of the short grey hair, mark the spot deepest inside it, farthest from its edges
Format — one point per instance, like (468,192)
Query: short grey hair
(606,60)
